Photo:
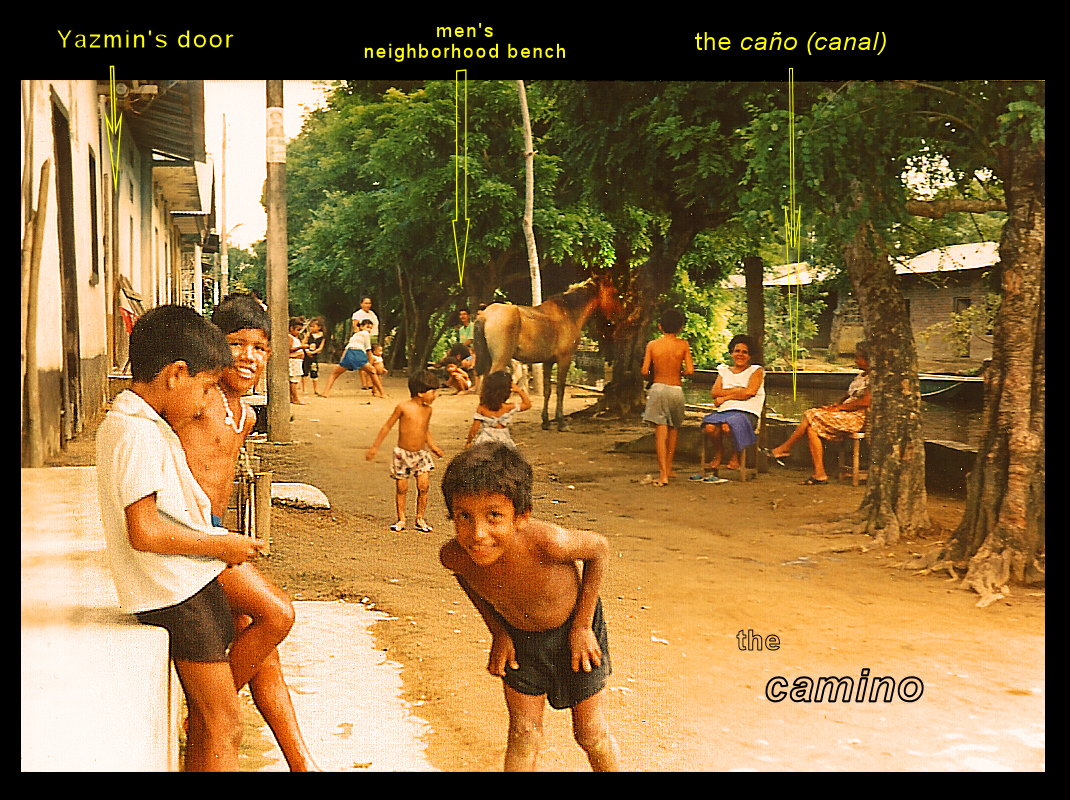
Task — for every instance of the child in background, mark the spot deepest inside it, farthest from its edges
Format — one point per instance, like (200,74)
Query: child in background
(536,587)
(663,361)
(164,552)
(297,357)
(314,344)
(493,414)
(356,358)
(458,378)
(377,360)
(414,439)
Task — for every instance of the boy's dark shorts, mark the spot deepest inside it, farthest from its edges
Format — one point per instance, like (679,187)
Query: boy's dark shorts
(545,660)
(201,627)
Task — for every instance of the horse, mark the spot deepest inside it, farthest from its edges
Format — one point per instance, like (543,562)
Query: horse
(547,334)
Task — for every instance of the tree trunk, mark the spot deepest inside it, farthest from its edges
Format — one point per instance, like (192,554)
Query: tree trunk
(624,395)
(529,232)
(1002,532)
(754,273)
(895,501)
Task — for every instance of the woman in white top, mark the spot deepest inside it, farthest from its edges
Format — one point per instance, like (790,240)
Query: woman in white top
(739,394)
(363,313)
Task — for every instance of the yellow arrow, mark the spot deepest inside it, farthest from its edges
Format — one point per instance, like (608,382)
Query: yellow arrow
(792,226)
(115,128)
(461,252)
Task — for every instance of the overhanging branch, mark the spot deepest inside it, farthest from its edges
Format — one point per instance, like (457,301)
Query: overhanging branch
(936,209)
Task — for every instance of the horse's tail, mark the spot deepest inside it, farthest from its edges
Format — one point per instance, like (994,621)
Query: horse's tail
(479,341)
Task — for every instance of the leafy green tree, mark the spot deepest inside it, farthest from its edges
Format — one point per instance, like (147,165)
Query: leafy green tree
(1000,126)
(661,161)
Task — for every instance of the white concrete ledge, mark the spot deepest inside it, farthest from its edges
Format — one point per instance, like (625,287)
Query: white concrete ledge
(98,689)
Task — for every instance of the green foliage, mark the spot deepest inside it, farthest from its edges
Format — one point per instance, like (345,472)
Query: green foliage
(710,310)
(783,340)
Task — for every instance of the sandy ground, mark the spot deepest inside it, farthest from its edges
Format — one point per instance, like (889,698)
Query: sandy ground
(693,564)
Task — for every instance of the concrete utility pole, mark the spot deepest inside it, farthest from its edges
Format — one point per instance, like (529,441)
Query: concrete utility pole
(278,289)
(224,261)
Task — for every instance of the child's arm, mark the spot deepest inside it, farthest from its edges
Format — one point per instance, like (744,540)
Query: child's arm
(502,649)
(689,365)
(525,401)
(383,432)
(472,431)
(648,358)
(593,550)
(431,442)
(149,533)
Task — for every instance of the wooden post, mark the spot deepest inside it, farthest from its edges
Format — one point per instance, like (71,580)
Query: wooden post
(36,445)
(278,300)
(262,510)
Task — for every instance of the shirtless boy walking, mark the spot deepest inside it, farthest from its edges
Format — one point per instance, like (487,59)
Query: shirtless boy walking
(536,587)
(212,442)
(663,362)
(414,439)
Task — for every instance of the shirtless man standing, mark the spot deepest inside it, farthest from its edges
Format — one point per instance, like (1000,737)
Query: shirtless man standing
(662,363)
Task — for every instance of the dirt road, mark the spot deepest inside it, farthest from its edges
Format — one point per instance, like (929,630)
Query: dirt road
(694,565)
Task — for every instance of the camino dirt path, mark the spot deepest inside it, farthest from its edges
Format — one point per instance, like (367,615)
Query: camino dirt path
(693,565)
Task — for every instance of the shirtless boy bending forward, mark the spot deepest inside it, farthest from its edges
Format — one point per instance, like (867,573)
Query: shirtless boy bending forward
(536,587)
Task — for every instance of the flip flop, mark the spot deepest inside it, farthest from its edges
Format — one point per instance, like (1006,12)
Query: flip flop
(811,481)
(398,527)
(714,479)
(423,527)
(697,477)
(778,460)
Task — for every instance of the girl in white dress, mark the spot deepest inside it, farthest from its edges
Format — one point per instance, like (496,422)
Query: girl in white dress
(494,413)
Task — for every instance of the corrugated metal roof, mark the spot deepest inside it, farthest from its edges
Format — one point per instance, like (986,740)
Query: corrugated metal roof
(953,257)
(168,125)
(957,256)
(171,124)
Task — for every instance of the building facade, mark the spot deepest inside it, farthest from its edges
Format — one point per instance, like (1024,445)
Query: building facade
(111,226)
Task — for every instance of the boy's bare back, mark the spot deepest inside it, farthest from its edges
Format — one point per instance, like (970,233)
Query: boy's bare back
(666,358)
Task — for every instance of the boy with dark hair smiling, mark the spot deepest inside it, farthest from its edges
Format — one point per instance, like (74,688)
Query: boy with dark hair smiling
(213,440)
(542,607)
(164,552)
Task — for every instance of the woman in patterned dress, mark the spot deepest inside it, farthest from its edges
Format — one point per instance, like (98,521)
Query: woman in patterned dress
(831,422)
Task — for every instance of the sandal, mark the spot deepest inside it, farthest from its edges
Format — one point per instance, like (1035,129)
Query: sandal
(811,481)
(714,479)
(778,460)
(423,527)
(398,527)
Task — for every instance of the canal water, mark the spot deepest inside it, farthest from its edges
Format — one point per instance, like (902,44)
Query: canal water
(939,421)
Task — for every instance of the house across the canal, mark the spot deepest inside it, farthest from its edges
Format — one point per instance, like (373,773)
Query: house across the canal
(937,285)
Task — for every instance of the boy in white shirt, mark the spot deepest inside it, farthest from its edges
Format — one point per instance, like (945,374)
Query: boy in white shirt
(165,554)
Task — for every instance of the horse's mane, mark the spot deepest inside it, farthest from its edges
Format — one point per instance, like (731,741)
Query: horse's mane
(576,297)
